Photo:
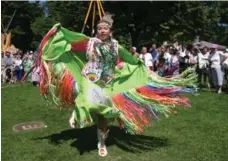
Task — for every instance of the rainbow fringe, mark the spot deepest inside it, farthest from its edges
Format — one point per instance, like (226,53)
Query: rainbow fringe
(61,87)
(161,95)
(44,74)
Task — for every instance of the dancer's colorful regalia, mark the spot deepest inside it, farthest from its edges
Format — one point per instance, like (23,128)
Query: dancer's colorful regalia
(104,83)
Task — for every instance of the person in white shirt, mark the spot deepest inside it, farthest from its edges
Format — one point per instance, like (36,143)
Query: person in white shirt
(203,66)
(216,58)
(147,58)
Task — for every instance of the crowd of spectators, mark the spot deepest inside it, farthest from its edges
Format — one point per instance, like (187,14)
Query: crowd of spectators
(210,64)
(19,66)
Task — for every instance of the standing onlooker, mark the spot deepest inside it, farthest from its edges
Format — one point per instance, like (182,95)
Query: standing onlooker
(8,59)
(147,58)
(216,59)
(163,62)
(8,67)
(203,66)
(134,51)
(182,58)
(154,54)
(174,68)
(36,76)
(3,64)
(18,67)
(184,61)
(193,59)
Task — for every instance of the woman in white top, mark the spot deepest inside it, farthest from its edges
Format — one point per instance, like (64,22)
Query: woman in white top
(147,58)
(216,58)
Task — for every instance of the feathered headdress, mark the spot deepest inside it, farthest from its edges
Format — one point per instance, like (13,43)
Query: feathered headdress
(106,20)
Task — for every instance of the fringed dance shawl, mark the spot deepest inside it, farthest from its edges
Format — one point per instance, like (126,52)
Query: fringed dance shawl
(132,96)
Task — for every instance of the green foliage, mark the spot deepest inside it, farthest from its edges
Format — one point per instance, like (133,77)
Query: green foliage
(125,41)
(70,14)
(135,23)
(26,13)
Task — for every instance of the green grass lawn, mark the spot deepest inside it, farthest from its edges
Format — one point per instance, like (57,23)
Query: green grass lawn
(196,134)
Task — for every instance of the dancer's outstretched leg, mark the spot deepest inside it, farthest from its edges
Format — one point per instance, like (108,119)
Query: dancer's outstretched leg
(102,133)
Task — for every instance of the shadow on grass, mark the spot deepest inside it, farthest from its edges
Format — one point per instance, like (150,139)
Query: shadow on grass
(86,140)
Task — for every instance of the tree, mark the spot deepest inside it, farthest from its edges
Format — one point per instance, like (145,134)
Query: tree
(70,14)
(20,27)
(135,23)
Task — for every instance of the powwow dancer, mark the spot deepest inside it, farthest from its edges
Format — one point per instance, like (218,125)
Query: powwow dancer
(105,83)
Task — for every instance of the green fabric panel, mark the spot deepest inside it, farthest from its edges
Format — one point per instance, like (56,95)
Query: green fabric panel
(130,76)
(61,43)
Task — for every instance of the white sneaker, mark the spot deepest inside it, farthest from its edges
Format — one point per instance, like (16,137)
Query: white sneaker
(102,151)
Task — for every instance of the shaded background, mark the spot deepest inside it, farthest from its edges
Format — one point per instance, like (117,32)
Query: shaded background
(135,23)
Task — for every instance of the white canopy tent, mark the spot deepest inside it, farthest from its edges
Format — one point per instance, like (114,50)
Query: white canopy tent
(203,44)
